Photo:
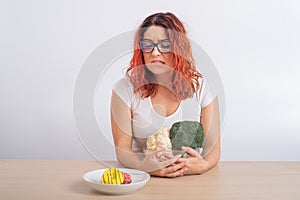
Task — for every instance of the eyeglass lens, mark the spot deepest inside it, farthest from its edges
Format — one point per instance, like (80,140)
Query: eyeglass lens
(148,46)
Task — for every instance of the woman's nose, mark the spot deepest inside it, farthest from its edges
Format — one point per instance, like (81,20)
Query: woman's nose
(156,51)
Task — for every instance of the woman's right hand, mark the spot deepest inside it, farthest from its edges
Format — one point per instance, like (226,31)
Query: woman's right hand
(166,168)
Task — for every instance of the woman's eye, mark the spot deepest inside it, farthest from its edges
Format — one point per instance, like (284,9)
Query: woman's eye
(165,45)
(147,45)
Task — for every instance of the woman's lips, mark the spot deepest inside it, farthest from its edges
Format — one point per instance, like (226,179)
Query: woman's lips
(158,62)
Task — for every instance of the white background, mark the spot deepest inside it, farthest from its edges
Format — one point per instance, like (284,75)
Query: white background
(254,45)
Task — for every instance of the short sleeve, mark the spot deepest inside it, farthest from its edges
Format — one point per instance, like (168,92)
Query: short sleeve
(204,94)
(123,88)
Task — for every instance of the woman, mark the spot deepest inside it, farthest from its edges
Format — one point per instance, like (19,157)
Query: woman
(162,86)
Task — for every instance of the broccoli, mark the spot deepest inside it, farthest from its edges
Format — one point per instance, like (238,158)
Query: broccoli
(186,133)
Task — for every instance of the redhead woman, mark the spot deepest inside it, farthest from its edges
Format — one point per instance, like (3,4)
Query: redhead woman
(162,86)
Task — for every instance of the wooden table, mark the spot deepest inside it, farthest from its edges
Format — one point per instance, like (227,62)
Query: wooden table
(59,179)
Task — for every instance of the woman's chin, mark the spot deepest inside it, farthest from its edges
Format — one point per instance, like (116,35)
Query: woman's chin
(159,69)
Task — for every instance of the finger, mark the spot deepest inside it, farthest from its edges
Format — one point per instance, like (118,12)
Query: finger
(175,167)
(175,170)
(190,151)
(168,155)
(180,160)
(170,161)
(175,174)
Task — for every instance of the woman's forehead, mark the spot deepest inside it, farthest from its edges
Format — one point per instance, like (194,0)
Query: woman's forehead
(155,33)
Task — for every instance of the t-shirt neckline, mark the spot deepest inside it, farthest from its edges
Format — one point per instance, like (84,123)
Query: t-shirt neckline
(169,116)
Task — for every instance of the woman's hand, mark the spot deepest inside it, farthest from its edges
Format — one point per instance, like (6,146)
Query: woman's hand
(171,171)
(168,167)
(194,164)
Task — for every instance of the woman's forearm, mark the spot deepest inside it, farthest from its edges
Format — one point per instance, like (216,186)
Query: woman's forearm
(148,163)
(213,156)
(129,159)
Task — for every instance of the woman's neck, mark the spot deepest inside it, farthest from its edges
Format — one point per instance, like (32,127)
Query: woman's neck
(163,80)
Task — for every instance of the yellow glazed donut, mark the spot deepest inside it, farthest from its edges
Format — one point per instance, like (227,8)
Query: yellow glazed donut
(112,176)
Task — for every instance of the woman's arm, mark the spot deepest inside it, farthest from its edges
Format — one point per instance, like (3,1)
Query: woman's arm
(196,164)
(210,120)
(121,124)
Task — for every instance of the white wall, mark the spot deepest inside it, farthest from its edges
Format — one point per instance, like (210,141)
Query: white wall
(254,44)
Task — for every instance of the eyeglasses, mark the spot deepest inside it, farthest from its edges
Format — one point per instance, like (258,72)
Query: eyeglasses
(164,46)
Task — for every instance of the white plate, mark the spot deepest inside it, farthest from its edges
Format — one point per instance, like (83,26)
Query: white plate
(138,180)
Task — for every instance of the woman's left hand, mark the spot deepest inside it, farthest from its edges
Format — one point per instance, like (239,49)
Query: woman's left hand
(194,164)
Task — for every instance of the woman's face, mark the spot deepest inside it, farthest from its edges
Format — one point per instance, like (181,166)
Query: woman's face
(156,62)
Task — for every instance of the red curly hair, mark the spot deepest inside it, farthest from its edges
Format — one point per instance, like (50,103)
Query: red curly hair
(184,78)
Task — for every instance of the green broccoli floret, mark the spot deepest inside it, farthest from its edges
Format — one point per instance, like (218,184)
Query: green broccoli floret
(186,133)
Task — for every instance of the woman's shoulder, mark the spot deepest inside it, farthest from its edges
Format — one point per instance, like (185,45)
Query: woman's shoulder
(124,80)
(204,94)
(124,89)
(123,83)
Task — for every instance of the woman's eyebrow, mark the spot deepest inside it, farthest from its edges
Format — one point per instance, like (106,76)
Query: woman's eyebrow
(158,40)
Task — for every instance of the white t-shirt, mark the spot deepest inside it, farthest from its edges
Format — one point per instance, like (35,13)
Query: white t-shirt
(145,121)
